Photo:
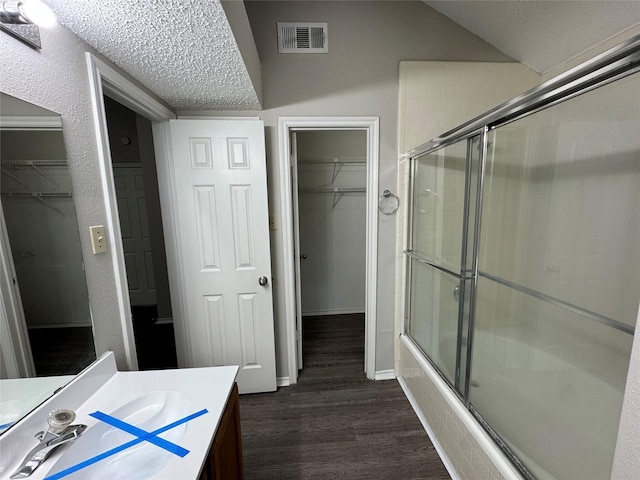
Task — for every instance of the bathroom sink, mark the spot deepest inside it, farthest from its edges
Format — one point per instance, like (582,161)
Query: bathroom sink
(111,452)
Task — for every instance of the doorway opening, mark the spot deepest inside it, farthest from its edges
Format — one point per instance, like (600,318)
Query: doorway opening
(329,222)
(331,173)
(139,213)
(104,80)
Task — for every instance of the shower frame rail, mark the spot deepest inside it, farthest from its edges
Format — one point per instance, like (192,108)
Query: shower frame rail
(611,65)
(596,317)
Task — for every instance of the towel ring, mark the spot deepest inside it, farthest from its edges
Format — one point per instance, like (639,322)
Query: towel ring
(388,203)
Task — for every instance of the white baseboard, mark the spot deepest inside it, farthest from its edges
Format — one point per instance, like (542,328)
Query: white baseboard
(335,311)
(385,375)
(427,428)
(282,382)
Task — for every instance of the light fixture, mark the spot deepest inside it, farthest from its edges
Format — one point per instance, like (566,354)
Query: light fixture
(21,19)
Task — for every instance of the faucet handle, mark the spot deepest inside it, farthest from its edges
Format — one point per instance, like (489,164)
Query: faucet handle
(60,419)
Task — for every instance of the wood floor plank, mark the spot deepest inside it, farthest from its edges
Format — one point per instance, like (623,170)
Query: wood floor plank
(335,423)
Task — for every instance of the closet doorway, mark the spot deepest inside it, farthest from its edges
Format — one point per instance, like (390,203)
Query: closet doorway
(331,168)
(329,222)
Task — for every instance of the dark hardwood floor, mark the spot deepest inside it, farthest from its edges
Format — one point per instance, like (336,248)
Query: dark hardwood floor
(155,342)
(335,424)
(61,351)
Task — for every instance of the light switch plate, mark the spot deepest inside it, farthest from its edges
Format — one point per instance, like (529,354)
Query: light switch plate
(98,239)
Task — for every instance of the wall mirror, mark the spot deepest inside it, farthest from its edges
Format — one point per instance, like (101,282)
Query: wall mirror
(46,329)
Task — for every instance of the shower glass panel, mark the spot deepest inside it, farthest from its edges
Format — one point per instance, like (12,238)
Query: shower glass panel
(438,206)
(558,281)
(438,252)
(434,325)
(548,382)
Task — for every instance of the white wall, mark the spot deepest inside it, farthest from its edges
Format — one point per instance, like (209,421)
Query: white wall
(43,234)
(56,78)
(436,97)
(332,228)
(359,76)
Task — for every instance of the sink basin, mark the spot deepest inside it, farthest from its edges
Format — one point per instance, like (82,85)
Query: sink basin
(142,460)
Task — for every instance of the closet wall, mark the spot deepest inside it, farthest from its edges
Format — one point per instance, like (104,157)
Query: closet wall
(331,181)
(43,231)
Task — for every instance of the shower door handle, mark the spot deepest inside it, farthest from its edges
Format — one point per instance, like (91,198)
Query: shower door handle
(456,293)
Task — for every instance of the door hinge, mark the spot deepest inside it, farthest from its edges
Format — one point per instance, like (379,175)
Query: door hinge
(298,335)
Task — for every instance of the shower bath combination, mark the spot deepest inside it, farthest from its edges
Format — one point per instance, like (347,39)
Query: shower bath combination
(523,265)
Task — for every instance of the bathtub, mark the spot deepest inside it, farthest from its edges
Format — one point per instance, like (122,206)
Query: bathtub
(560,420)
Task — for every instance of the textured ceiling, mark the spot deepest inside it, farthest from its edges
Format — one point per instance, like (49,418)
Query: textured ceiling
(182,50)
(185,51)
(539,33)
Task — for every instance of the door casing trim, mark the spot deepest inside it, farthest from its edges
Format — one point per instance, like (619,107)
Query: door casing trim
(103,79)
(372,126)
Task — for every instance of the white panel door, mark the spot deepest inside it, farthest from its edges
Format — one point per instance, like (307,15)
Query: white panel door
(219,169)
(136,241)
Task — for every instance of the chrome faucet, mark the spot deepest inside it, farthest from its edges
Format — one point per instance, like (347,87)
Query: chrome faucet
(60,432)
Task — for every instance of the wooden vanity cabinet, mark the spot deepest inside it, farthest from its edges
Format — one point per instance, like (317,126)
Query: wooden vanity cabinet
(224,461)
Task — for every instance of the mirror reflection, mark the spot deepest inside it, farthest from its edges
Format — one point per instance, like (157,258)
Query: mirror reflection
(47,330)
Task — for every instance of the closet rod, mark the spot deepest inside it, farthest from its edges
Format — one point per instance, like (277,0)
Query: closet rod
(334,190)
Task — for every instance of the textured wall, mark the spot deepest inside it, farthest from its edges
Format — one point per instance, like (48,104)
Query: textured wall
(56,78)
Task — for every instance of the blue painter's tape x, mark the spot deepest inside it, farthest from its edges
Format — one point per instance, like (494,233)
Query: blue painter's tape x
(138,432)
(6,425)
(144,438)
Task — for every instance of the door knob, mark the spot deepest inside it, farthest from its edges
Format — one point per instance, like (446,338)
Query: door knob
(263,281)
(303,256)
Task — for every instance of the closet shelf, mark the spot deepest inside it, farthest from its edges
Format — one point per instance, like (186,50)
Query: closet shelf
(38,194)
(42,198)
(333,161)
(338,192)
(31,163)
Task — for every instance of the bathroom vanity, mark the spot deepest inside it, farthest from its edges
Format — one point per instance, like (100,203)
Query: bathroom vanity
(224,461)
(161,424)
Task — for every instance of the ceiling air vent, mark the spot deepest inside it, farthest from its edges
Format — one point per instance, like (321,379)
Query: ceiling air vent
(302,38)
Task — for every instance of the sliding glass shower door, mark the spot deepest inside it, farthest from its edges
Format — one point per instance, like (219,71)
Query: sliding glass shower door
(524,275)
(443,201)
(559,281)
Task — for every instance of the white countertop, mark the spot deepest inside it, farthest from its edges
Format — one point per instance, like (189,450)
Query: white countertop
(204,388)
